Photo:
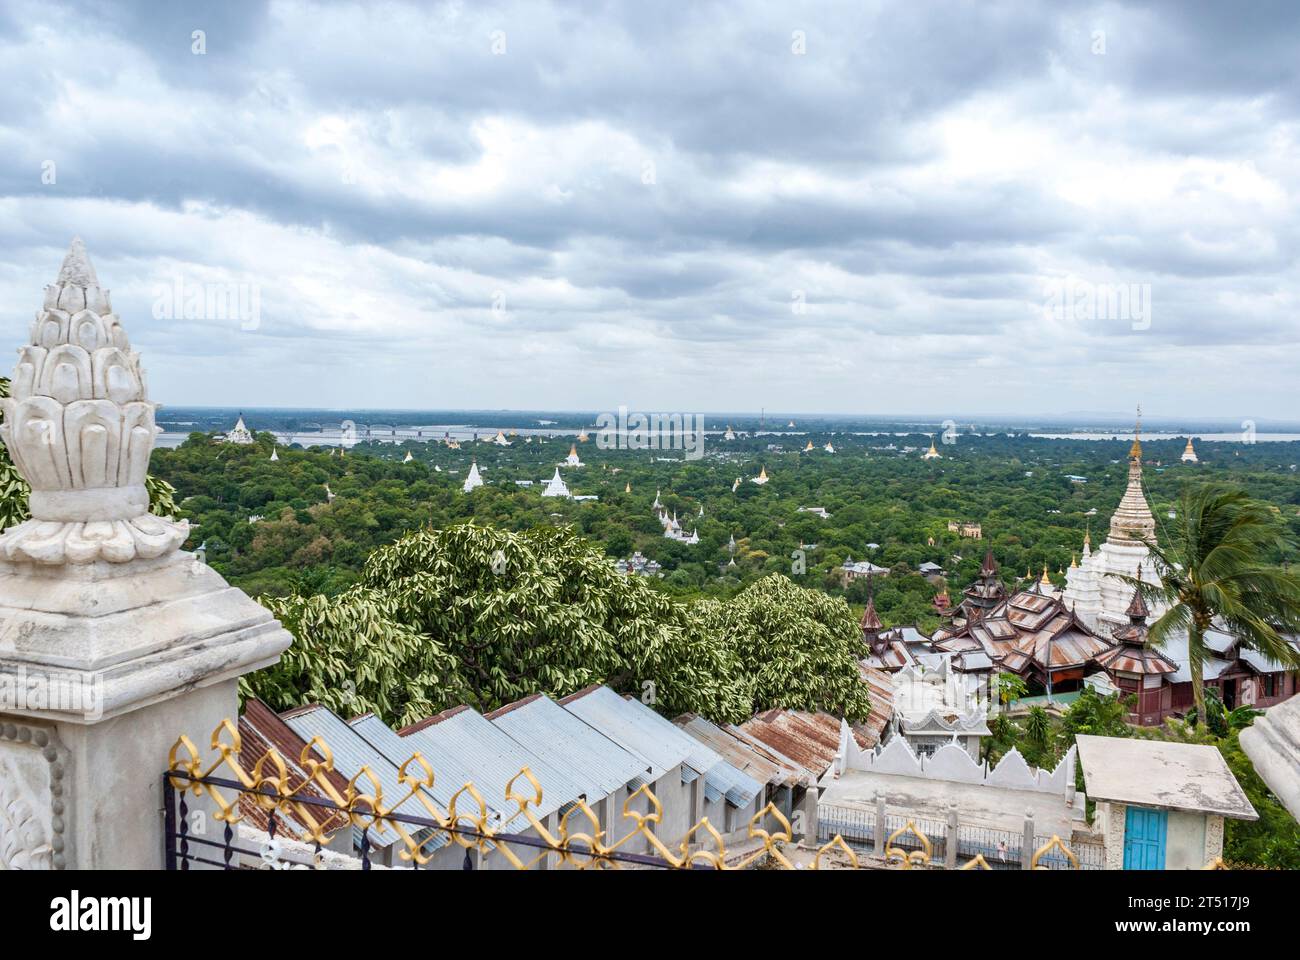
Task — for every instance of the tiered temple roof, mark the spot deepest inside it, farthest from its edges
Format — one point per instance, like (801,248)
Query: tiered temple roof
(1029,632)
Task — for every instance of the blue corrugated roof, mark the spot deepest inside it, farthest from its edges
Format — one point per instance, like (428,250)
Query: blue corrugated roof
(636,727)
(495,758)
(351,752)
(595,762)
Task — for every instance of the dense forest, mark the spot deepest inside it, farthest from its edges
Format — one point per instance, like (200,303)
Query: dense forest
(306,522)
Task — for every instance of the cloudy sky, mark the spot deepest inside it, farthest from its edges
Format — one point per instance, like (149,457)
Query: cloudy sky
(860,207)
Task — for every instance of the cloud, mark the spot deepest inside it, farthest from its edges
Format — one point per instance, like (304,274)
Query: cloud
(521,205)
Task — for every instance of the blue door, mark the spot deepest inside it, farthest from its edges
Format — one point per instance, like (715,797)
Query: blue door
(1144,839)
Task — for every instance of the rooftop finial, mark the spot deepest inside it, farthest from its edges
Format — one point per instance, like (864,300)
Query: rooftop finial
(79,426)
(77,268)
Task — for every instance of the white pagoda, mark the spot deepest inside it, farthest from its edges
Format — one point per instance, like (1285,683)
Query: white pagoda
(275,455)
(240,434)
(1101,600)
(408,457)
(830,447)
(572,459)
(556,487)
(473,479)
(761,478)
(729,435)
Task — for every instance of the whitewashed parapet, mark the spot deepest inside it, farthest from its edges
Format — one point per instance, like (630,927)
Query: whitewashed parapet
(952,763)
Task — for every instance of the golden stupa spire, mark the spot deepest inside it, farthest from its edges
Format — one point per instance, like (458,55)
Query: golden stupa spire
(1073,565)
(627,487)
(1045,580)
(1087,534)
(1135,451)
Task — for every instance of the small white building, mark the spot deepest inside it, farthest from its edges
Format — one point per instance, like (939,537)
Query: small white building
(556,487)
(473,480)
(1160,806)
(239,433)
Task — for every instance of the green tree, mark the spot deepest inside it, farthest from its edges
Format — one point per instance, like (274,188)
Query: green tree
(1210,570)
(1011,687)
(797,648)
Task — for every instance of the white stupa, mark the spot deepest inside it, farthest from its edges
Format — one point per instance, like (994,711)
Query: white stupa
(729,435)
(473,479)
(735,486)
(572,459)
(830,447)
(761,478)
(240,434)
(1102,600)
(408,458)
(556,487)
(275,455)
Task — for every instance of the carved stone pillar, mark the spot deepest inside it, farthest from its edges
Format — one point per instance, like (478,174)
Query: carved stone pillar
(113,642)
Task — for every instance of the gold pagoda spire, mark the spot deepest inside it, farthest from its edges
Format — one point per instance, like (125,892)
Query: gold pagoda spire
(1135,451)
(1045,580)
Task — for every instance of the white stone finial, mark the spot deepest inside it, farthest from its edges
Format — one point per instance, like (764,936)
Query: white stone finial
(79,426)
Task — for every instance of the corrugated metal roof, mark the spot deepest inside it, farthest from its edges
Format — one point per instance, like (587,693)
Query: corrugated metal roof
(880,691)
(351,752)
(741,755)
(260,731)
(595,762)
(809,739)
(627,726)
(450,773)
(494,757)
(796,775)
(637,728)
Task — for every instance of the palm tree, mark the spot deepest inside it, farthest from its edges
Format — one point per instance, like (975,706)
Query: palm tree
(1211,570)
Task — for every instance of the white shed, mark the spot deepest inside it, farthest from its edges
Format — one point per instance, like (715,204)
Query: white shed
(1160,806)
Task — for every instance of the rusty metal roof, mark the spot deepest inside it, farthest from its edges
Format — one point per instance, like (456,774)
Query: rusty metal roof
(740,754)
(880,686)
(809,739)
(1030,628)
(260,731)
(1136,658)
